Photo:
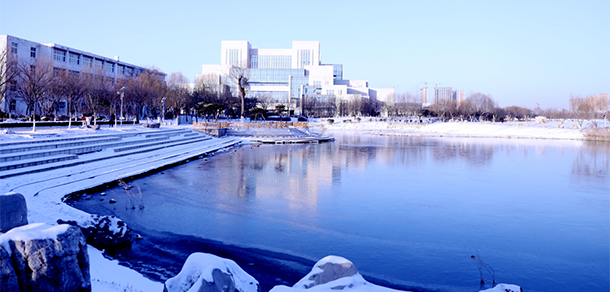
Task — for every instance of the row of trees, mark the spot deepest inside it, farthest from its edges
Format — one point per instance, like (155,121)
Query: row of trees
(44,89)
(482,107)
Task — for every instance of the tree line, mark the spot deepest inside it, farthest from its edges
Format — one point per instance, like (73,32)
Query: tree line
(60,94)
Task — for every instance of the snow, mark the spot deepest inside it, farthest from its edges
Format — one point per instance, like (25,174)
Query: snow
(44,191)
(108,276)
(354,283)
(199,267)
(522,130)
(32,232)
(504,288)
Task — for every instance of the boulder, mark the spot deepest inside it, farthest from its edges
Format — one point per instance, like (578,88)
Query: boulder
(204,272)
(40,257)
(328,269)
(104,232)
(330,274)
(14,212)
(504,288)
(151,125)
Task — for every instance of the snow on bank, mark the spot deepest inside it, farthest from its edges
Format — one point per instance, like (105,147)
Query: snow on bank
(531,130)
(108,276)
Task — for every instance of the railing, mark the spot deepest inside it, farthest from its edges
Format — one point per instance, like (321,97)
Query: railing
(250,125)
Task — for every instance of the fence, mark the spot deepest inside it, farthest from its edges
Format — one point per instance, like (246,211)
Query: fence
(250,125)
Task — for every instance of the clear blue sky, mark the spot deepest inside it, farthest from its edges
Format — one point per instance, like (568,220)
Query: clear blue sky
(520,52)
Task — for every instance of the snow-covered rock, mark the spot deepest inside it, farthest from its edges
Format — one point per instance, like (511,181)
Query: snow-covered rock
(504,288)
(14,211)
(104,232)
(41,257)
(333,273)
(204,272)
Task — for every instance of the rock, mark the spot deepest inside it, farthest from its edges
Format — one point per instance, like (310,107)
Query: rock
(326,270)
(504,288)
(204,272)
(104,232)
(41,257)
(112,201)
(14,211)
(333,273)
(151,125)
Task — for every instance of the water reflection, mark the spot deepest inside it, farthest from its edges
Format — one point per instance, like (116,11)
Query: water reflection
(404,208)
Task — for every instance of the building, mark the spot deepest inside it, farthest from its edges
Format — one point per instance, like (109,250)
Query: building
(442,93)
(448,93)
(294,77)
(423,96)
(459,96)
(60,58)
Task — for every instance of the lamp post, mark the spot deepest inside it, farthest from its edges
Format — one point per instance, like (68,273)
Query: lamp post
(163,109)
(122,93)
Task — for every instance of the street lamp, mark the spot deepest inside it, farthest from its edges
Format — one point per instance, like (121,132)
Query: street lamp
(163,109)
(122,93)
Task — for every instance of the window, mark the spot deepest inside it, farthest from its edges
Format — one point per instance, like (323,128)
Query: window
(62,104)
(33,69)
(13,105)
(33,52)
(98,63)
(14,47)
(74,59)
(109,67)
(87,61)
(13,85)
(121,69)
(317,83)
(59,55)
(340,91)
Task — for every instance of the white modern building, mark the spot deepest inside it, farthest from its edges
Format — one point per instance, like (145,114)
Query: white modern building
(295,77)
(60,58)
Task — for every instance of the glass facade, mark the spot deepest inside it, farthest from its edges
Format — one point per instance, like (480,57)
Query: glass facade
(270,61)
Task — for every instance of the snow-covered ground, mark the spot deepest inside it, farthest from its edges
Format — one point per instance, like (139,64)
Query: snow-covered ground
(568,130)
(44,191)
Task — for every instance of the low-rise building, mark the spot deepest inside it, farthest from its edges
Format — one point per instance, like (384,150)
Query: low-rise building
(20,53)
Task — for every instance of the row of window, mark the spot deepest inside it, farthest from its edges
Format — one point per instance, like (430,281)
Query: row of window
(109,67)
(270,61)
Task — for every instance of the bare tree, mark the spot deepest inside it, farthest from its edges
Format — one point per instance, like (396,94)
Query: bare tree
(481,104)
(179,96)
(582,109)
(8,75)
(74,90)
(239,77)
(34,82)
(145,92)
(97,92)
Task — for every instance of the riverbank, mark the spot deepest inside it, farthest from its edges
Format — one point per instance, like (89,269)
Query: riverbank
(514,130)
(46,206)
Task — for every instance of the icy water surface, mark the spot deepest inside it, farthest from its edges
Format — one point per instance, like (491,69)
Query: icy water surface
(408,210)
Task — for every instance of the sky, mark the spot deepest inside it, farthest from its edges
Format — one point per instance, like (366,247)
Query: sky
(519,52)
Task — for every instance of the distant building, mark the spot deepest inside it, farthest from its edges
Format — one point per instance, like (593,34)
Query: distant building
(442,93)
(423,95)
(61,58)
(459,96)
(597,103)
(600,102)
(290,77)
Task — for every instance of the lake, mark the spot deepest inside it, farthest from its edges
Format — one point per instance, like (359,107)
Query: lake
(408,210)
